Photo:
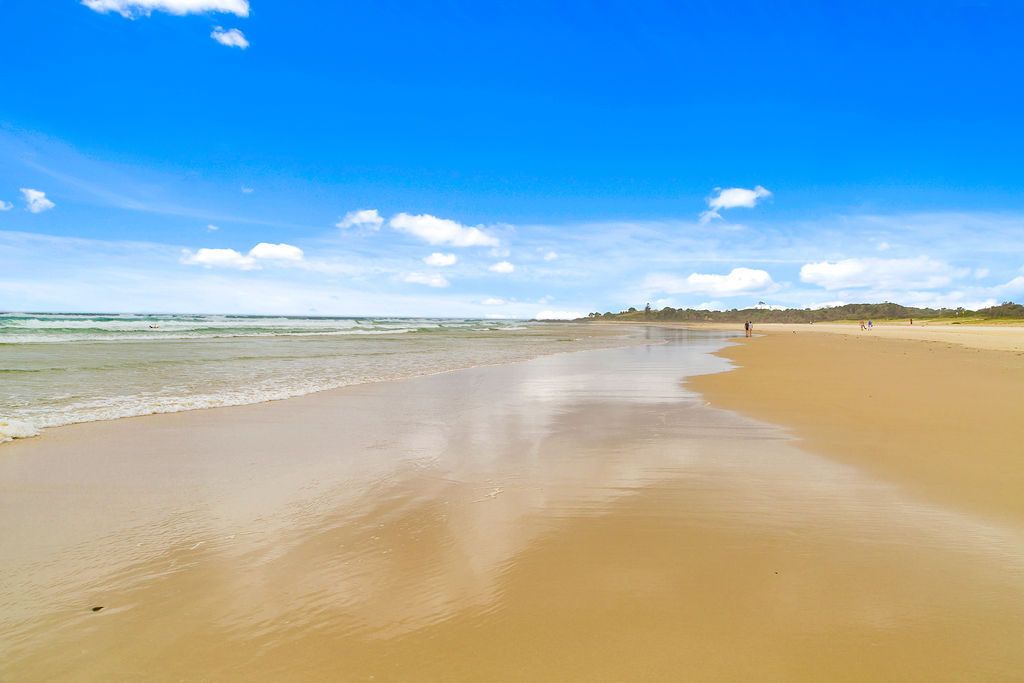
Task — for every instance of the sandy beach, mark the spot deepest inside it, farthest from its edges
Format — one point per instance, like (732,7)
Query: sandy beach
(937,408)
(615,514)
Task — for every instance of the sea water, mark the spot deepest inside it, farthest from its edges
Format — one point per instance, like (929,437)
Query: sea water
(58,369)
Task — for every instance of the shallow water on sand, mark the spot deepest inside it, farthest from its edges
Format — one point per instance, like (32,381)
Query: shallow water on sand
(58,369)
(573,516)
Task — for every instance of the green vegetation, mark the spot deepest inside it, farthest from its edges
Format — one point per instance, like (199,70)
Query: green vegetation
(1007,311)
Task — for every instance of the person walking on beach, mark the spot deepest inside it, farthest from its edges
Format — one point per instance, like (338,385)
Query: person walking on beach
(862,327)
(746,329)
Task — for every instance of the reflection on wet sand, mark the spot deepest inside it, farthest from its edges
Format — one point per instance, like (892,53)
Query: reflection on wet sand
(581,515)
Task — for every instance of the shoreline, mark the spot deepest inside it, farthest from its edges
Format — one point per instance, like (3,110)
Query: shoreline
(16,430)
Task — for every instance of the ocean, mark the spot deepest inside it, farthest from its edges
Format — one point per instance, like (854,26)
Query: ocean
(58,369)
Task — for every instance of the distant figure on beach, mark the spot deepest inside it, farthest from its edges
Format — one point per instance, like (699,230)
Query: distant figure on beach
(746,328)
(911,321)
(869,325)
(862,326)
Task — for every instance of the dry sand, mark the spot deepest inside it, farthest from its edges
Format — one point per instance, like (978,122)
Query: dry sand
(576,517)
(939,410)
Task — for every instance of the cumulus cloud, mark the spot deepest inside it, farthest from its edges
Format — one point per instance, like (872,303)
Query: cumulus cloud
(493,301)
(5,206)
(362,218)
(900,274)
(436,230)
(737,281)
(135,8)
(732,198)
(231,37)
(558,315)
(441,260)
(276,252)
(428,279)
(503,267)
(229,258)
(36,201)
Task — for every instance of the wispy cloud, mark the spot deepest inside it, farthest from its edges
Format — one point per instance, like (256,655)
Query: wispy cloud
(434,230)
(136,8)
(558,315)
(502,267)
(219,258)
(428,279)
(361,218)
(736,281)
(441,260)
(908,273)
(5,206)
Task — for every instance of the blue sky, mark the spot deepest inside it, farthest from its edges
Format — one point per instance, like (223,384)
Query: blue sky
(200,155)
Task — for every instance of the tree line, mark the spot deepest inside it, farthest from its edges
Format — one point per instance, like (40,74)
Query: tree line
(762,314)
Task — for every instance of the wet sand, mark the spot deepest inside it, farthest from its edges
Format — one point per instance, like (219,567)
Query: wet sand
(582,516)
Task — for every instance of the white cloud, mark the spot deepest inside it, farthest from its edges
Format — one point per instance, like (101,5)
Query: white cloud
(550,256)
(558,315)
(362,218)
(229,258)
(733,198)
(218,258)
(436,230)
(503,267)
(1014,286)
(981,273)
(492,301)
(738,281)
(231,37)
(883,246)
(212,228)
(134,8)
(441,260)
(428,279)
(247,190)
(36,201)
(276,252)
(901,274)
(5,206)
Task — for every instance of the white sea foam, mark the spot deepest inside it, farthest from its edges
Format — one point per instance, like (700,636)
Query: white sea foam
(15,429)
